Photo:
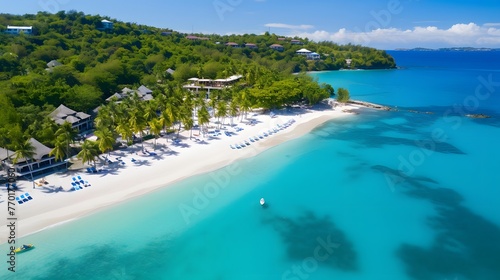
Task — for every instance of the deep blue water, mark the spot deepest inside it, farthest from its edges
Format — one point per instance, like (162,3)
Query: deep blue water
(379,195)
(439,81)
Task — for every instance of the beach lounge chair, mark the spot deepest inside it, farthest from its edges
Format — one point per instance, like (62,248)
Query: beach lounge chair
(79,177)
(19,200)
(28,196)
(23,198)
(232,147)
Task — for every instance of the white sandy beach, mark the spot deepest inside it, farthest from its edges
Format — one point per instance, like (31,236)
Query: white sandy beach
(51,205)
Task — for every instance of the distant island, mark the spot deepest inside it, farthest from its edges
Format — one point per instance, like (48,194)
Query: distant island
(454,49)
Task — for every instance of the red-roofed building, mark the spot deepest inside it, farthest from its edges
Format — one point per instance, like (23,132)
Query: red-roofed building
(251,45)
(233,45)
(277,47)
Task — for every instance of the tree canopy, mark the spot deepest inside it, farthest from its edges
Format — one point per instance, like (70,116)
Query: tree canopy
(92,64)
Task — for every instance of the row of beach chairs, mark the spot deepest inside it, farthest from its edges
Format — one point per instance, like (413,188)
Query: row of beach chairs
(262,135)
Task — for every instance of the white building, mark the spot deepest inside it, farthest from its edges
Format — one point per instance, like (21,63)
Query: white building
(197,84)
(313,56)
(303,52)
(106,24)
(19,29)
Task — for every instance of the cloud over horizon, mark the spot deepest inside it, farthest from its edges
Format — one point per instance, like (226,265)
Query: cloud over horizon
(460,34)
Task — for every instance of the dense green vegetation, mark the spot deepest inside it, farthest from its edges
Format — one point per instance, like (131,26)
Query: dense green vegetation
(343,95)
(96,63)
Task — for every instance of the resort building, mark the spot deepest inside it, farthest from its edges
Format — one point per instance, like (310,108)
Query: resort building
(41,162)
(19,29)
(348,61)
(52,64)
(209,84)
(233,45)
(106,24)
(313,56)
(303,52)
(194,38)
(277,47)
(170,71)
(296,42)
(144,94)
(79,121)
(308,54)
(251,45)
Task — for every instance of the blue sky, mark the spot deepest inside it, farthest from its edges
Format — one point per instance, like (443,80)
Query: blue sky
(385,24)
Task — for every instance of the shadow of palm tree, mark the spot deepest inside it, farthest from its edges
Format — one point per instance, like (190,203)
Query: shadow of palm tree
(52,189)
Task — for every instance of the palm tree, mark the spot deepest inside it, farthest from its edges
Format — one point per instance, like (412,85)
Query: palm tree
(59,151)
(104,117)
(150,110)
(125,131)
(105,140)
(156,126)
(166,120)
(169,116)
(137,122)
(25,150)
(65,135)
(4,139)
(233,110)
(203,117)
(186,118)
(221,112)
(245,103)
(89,152)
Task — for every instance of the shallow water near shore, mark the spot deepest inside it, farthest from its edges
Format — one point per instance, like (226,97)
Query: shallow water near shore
(379,195)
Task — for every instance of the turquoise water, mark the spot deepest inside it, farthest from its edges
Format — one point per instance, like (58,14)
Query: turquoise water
(379,195)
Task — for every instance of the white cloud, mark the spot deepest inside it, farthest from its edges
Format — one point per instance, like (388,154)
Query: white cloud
(459,34)
(492,24)
(289,26)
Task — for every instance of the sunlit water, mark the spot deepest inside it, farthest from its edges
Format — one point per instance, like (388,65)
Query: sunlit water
(379,195)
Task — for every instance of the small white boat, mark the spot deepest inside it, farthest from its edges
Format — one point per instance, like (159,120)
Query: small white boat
(262,202)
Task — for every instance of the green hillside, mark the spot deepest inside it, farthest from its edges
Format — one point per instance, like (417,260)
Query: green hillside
(96,63)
